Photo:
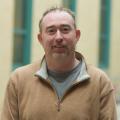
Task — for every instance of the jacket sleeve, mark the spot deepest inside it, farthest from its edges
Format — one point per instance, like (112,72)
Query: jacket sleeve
(107,100)
(10,107)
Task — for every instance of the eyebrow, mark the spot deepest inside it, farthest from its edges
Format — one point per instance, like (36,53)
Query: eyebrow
(52,26)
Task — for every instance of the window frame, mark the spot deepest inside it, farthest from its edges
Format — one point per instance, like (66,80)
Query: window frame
(26,33)
(104,38)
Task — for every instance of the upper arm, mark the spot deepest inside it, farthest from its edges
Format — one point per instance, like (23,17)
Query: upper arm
(10,109)
(107,100)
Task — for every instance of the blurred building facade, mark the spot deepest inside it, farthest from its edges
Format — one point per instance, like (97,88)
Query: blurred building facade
(98,21)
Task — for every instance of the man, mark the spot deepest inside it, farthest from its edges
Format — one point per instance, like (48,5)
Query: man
(62,86)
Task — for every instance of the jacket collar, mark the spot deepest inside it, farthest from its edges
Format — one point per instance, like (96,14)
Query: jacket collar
(42,72)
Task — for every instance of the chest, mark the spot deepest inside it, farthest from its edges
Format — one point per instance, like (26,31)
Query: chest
(41,103)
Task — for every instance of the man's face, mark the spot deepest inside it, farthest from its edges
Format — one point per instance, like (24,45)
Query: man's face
(58,36)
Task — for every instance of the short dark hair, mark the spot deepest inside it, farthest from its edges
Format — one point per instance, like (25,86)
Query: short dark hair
(56,9)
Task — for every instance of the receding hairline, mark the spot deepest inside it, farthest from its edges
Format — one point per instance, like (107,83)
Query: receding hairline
(55,9)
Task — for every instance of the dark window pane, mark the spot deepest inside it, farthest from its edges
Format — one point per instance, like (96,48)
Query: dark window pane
(19,13)
(18,49)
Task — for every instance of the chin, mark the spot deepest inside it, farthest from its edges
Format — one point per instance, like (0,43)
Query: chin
(59,56)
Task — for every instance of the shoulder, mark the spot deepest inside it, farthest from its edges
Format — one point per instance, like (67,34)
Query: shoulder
(100,79)
(27,69)
(24,74)
(97,72)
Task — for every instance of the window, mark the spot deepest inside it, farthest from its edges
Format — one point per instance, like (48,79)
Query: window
(22,32)
(104,34)
(71,4)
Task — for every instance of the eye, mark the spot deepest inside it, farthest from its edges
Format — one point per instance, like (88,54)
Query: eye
(65,29)
(51,31)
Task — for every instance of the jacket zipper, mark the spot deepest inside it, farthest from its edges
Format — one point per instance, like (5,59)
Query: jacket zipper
(74,83)
(58,99)
(58,104)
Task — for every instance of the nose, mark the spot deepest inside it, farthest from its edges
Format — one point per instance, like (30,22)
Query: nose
(58,36)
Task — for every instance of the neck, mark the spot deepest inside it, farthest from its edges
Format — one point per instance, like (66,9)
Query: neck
(62,66)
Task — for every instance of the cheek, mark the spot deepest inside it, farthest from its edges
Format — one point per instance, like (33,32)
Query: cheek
(71,40)
(72,44)
(47,44)
(48,38)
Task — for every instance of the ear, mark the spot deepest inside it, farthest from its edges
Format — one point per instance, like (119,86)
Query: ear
(78,33)
(40,38)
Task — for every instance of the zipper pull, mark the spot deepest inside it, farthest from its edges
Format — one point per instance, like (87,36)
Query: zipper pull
(58,105)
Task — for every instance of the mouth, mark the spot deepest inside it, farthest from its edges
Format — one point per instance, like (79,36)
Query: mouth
(59,46)
(59,49)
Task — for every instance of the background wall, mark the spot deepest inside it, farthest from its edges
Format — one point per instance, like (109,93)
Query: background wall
(88,23)
(6,36)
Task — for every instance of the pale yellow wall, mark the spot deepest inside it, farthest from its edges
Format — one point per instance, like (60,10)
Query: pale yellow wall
(39,8)
(6,27)
(115,41)
(88,23)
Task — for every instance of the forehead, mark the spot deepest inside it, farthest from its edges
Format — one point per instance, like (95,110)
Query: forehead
(57,18)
